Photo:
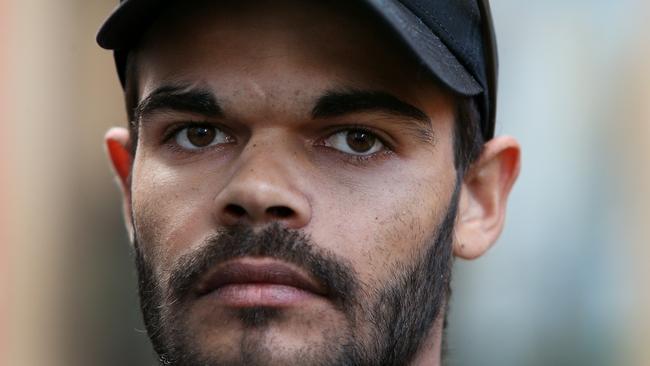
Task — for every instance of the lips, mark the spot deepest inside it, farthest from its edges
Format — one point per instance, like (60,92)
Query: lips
(258,282)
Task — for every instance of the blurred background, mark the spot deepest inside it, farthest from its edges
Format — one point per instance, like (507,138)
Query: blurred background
(567,284)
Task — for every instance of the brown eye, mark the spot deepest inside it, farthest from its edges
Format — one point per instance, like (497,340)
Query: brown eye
(196,137)
(355,142)
(360,141)
(200,136)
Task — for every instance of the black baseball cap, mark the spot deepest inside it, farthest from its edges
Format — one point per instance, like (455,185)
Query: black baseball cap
(454,39)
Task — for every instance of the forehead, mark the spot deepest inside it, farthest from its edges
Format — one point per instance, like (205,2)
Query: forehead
(277,46)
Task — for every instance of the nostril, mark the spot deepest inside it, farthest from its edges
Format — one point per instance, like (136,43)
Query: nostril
(280,211)
(235,210)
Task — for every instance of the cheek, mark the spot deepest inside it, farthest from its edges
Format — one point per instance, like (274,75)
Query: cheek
(386,219)
(171,208)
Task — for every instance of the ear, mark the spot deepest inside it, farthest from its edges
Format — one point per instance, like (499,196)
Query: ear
(118,147)
(484,195)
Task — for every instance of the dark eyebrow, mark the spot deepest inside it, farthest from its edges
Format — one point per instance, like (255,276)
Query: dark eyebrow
(339,103)
(179,98)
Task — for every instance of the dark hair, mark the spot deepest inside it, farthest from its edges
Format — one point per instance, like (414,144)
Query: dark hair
(468,138)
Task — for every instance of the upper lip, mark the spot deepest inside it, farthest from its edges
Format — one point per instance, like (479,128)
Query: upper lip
(256,271)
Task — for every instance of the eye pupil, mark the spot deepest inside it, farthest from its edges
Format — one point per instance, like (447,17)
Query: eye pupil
(201,136)
(360,141)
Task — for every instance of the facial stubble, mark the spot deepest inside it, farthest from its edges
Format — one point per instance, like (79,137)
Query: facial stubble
(401,312)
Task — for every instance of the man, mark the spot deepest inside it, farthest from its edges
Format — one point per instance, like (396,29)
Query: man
(298,175)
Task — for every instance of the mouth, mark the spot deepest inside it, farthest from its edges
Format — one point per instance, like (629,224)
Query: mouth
(258,282)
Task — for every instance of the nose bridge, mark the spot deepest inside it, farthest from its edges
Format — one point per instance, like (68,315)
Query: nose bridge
(269,158)
(264,187)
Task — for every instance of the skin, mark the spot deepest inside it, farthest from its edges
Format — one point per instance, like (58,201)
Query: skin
(374,211)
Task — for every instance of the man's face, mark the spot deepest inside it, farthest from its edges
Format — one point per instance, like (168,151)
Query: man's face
(293,188)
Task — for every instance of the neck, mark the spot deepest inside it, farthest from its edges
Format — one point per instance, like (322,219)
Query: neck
(431,350)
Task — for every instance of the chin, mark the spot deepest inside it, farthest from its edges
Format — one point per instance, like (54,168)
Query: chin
(265,336)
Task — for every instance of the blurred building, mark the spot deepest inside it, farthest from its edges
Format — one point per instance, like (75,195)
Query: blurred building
(564,284)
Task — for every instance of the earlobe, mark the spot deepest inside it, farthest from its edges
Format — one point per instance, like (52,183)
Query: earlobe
(484,196)
(117,143)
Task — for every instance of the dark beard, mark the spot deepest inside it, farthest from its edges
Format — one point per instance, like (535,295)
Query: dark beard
(402,312)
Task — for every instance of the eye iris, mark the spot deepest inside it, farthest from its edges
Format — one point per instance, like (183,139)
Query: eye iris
(201,136)
(360,141)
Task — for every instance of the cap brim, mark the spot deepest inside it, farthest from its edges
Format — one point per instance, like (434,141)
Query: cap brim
(127,23)
(130,19)
(427,46)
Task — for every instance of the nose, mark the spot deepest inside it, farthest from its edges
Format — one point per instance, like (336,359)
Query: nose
(264,189)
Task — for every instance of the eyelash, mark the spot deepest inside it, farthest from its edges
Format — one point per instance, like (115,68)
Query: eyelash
(170,134)
(171,131)
(360,159)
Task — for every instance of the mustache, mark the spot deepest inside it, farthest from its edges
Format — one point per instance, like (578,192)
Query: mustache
(275,241)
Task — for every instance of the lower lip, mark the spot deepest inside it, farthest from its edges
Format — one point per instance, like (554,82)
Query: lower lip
(255,295)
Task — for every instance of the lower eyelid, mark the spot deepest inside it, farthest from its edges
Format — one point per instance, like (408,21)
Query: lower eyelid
(368,159)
